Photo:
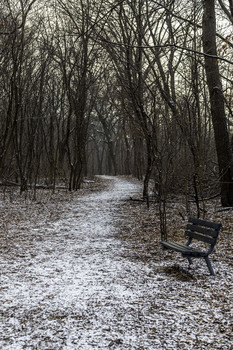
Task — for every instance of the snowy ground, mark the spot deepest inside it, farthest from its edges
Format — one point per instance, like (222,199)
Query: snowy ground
(69,282)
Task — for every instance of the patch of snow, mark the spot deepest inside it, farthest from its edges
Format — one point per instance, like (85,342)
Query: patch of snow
(67,283)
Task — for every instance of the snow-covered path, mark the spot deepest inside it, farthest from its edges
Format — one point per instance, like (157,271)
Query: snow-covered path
(68,290)
(68,283)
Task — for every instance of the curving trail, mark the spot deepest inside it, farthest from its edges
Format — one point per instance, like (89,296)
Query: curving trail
(73,289)
(67,284)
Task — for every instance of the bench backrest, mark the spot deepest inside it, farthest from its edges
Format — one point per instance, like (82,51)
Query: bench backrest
(202,230)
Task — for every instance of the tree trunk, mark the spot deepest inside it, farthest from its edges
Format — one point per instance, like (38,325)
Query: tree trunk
(148,170)
(222,141)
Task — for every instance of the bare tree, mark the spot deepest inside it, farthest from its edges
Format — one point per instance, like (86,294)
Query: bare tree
(223,148)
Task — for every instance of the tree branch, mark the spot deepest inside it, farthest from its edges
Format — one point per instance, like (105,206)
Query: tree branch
(226,11)
(178,47)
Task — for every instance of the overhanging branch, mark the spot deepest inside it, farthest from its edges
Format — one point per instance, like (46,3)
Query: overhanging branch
(178,47)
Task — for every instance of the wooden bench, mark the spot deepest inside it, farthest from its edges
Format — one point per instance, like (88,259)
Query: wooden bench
(201,231)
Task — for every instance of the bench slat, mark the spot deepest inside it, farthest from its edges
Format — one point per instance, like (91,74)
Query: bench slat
(176,246)
(195,254)
(200,237)
(205,223)
(202,230)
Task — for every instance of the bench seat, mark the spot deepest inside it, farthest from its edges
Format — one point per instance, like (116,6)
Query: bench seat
(183,249)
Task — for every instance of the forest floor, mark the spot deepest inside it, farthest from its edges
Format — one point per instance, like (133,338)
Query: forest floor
(85,270)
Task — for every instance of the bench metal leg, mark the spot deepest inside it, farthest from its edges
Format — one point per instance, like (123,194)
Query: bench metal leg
(189,260)
(209,265)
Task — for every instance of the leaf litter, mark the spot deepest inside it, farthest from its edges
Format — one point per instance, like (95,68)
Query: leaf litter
(85,271)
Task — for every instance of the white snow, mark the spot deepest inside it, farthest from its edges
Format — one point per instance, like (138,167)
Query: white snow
(66,283)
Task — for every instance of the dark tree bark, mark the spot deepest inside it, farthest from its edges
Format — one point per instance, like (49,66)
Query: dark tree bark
(109,140)
(222,141)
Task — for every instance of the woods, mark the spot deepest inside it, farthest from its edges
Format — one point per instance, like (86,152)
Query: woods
(116,141)
(140,88)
